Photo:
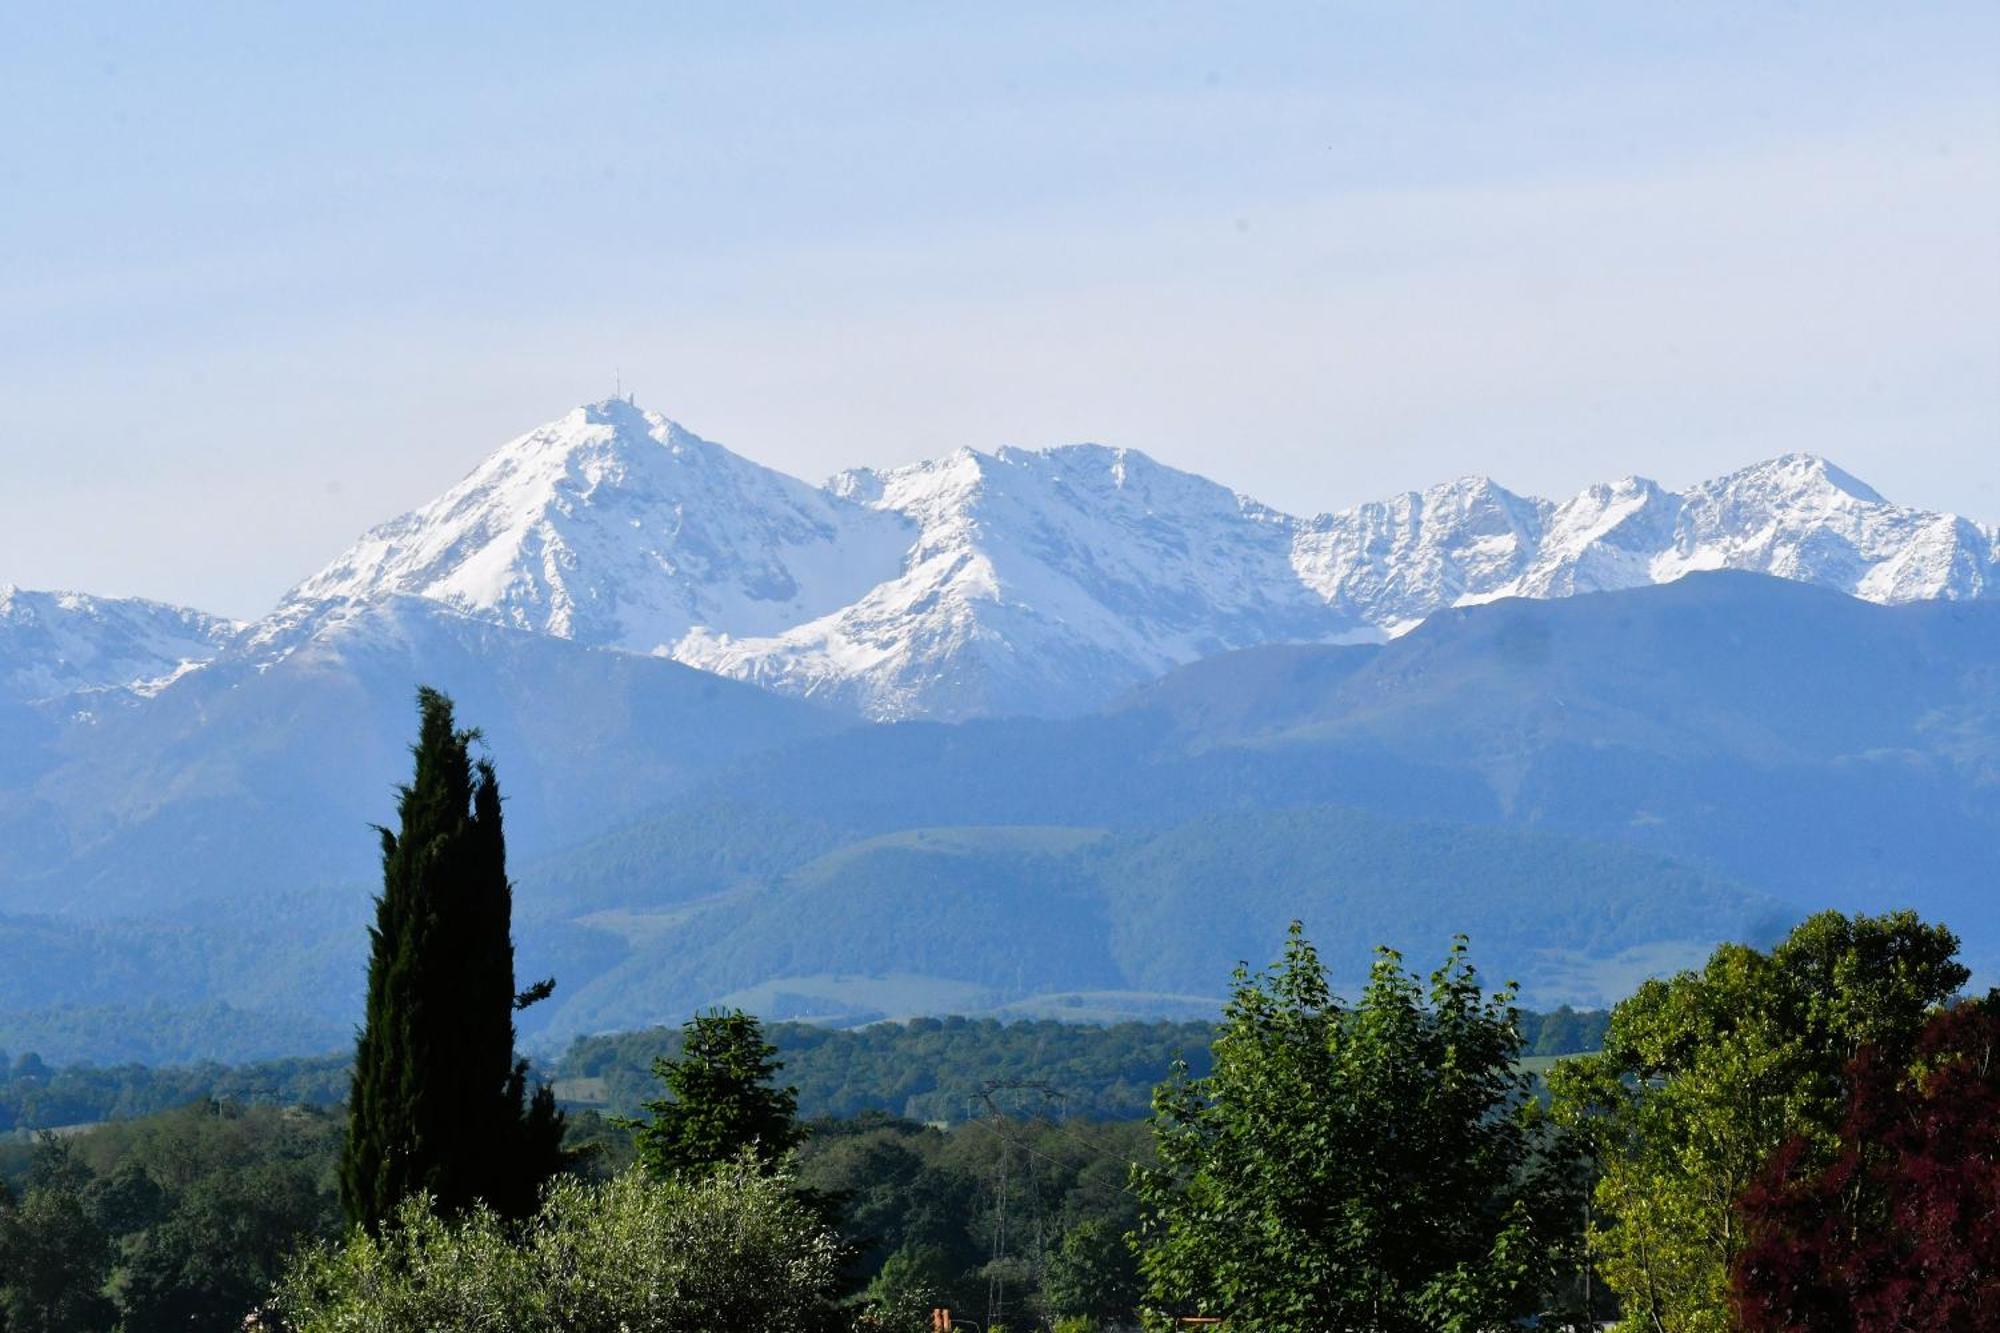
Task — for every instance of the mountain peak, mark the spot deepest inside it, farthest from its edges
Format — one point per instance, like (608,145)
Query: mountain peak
(617,526)
(627,420)
(1475,492)
(616,409)
(1798,474)
(613,422)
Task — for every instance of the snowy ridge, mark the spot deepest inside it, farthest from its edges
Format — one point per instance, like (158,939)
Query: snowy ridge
(58,643)
(1036,578)
(1045,581)
(1796,517)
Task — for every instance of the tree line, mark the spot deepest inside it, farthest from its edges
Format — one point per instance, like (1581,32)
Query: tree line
(1802,1139)
(934,1068)
(920,1069)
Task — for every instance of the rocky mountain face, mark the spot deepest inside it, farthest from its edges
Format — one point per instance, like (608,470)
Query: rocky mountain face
(1796,517)
(1047,581)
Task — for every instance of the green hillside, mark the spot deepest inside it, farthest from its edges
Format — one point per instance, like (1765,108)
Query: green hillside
(1110,923)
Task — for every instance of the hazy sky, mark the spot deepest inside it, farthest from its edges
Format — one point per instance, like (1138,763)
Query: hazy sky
(268,277)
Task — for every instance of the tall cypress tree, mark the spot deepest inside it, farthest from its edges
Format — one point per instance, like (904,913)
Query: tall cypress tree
(439,1102)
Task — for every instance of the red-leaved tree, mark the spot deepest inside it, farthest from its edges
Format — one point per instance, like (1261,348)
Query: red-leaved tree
(1899,1232)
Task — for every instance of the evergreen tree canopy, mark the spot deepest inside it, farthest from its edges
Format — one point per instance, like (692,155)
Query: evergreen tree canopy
(439,1103)
(721,1101)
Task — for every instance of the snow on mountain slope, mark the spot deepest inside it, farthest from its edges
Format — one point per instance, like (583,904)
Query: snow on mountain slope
(1039,581)
(1389,564)
(1799,517)
(1796,517)
(617,528)
(57,643)
(1046,581)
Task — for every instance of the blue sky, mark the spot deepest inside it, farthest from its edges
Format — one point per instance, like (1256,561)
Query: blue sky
(271,274)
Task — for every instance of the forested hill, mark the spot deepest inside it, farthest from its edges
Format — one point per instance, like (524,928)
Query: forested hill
(929,1068)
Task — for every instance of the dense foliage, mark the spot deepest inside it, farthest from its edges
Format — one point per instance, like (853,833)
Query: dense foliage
(184,1218)
(934,1068)
(55,1253)
(34,1096)
(192,1210)
(1010,1217)
(728,1250)
(1705,1076)
(1368,1168)
(1877,1194)
(439,1104)
(925,1069)
(1900,1227)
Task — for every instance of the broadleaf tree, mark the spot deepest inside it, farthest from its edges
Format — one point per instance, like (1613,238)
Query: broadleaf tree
(1705,1075)
(55,1257)
(1900,1228)
(1368,1167)
(735,1248)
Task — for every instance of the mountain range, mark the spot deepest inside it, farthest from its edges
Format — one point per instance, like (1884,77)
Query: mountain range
(1060,731)
(1021,581)
(1049,581)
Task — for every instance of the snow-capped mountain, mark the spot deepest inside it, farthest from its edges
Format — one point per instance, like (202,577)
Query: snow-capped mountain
(58,643)
(1388,564)
(619,529)
(1796,517)
(1017,581)
(1037,581)
(1048,580)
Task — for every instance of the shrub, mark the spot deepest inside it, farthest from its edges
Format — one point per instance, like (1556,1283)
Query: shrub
(631,1255)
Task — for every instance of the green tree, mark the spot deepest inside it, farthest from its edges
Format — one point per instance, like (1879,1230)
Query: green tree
(55,1257)
(1091,1272)
(1705,1075)
(216,1254)
(203,1204)
(1365,1168)
(733,1249)
(721,1102)
(913,1282)
(439,1102)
